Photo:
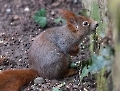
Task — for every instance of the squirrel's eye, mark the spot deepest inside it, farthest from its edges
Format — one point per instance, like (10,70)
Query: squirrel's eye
(85,23)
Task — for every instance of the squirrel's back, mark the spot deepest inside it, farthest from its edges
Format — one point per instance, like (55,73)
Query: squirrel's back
(48,52)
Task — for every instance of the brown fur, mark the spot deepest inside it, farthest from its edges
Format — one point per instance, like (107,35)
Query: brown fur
(13,80)
(70,18)
(50,53)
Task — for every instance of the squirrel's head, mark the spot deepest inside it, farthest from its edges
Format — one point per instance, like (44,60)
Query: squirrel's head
(86,25)
(81,25)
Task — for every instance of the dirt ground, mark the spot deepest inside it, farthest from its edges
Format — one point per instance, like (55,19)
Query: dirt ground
(17,30)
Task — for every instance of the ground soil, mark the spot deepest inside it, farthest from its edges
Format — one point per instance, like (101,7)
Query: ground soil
(17,31)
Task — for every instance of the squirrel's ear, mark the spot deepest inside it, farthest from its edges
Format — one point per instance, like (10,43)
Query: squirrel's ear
(68,15)
(71,20)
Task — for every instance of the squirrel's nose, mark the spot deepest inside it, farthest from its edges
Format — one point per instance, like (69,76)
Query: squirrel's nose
(94,25)
(97,24)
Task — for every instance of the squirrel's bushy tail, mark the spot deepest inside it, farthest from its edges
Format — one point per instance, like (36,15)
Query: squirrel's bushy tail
(13,80)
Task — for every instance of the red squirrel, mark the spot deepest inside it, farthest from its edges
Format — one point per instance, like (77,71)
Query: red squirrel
(50,52)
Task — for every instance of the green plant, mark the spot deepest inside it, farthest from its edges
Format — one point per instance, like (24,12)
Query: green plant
(60,19)
(40,17)
(102,60)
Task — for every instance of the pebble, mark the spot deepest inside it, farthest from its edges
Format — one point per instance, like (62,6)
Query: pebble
(1,67)
(56,4)
(16,17)
(75,1)
(8,10)
(39,80)
(52,13)
(26,9)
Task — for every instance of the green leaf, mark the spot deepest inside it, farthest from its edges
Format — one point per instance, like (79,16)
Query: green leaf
(98,63)
(95,14)
(73,65)
(85,12)
(59,19)
(95,11)
(40,17)
(56,89)
(84,73)
(41,12)
(105,51)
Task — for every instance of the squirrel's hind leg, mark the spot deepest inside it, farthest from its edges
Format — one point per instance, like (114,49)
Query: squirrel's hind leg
(71,72)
